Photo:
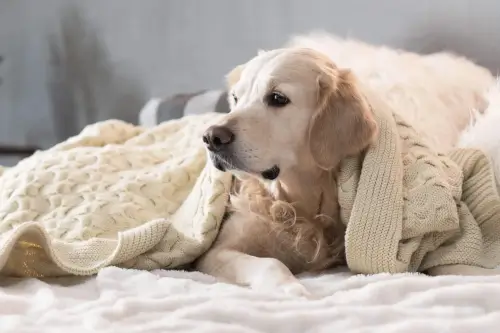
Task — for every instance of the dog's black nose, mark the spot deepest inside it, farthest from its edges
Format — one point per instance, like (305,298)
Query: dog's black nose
(217,138)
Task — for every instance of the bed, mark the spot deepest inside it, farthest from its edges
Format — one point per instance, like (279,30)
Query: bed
(129,300)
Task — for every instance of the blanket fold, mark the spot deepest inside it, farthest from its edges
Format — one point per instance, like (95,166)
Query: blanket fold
(116,194)
(409,208)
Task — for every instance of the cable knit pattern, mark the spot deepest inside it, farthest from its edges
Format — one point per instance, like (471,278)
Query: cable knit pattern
(116,194)
(408,208)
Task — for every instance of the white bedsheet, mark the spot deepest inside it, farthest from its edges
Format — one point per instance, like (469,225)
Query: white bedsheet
(119,300)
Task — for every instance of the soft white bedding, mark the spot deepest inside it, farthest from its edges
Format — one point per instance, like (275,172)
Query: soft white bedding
(120,300)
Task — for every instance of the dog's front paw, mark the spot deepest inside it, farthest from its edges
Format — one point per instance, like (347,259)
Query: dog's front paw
(272,275)
(290,287)
(295,289)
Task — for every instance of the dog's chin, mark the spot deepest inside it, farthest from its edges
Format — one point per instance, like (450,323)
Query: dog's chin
(219,165)
(224,164)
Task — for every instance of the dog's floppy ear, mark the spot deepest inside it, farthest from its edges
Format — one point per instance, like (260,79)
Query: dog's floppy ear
(343,125)
(234,75)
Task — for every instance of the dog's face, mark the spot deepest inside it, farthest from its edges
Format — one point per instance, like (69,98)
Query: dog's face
(289,106)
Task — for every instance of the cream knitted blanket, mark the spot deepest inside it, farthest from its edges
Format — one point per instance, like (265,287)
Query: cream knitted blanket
(115,194)
(408,208)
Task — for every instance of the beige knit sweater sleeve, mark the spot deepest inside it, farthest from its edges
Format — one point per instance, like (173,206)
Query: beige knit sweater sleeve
(408,208)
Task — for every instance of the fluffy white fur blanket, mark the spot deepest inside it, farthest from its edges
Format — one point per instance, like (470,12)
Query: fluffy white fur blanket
(484,130)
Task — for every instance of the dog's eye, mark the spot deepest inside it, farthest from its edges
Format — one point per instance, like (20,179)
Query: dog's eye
(277,99)
(235,99)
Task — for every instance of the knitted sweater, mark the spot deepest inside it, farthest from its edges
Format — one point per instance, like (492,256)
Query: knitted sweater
(408,208)
(116,194)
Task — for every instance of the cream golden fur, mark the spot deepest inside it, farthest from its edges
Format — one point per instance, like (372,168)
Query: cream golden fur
(294,116)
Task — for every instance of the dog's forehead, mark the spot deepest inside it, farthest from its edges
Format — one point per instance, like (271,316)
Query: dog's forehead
(266,61)
(270,64)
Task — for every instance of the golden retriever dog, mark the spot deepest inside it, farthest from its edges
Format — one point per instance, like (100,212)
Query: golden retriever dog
(294,116)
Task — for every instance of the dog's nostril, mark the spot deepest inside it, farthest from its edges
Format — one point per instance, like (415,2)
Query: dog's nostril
(205,139)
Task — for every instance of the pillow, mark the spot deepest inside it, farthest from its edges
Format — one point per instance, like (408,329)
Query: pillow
(158,110)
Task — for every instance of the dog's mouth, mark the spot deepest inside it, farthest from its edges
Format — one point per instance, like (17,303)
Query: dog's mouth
(225,163)
(271,173)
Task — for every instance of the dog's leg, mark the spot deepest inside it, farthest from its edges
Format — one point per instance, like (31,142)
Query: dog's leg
(266,274)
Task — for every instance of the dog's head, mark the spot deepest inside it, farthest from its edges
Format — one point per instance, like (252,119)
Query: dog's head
(290,106)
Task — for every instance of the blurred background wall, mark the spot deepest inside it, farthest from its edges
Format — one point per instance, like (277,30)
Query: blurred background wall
(67,63)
